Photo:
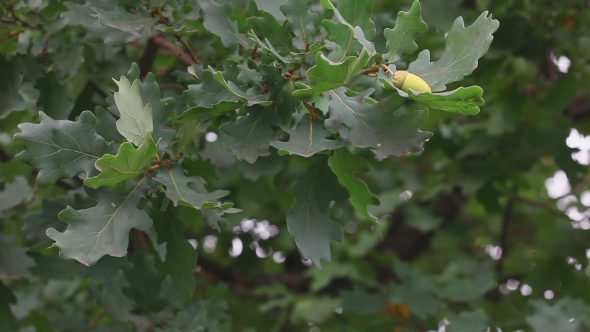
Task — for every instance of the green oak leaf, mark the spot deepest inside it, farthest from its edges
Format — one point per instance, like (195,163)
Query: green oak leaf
(301,21)
(106,125)
(307,139)
(185,190)
(7,320)
(80,14)
(358,14)
(346,44)
(139,25)
(200,167)
(345,164)
(62,148)
(102,229)
(54,97)
(209,92)
(557,317)
(400,39)
(254,95)
(470,321)
(265,47)
(14,192)
(308,220)
(161,108)
(462,100)
(275,34)
(125,166)
(197,112)
(251,134)
(357,31)
(181,257)
(361,301)
(136,119)
(375,125)
(10,79)
(327,75)
(217,21)
(464,46)
(14,261)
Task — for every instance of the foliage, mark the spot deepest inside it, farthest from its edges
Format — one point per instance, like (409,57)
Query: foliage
(202,165)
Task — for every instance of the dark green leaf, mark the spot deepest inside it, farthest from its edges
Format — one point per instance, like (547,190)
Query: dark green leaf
(10,79)
(275,34)
(14,192)
(307,139)
(181,257)
(14,261)
(302,22)
(463,48)
(344,164)
(54,97)
(400,39)
(308,220)
(139,25)
(361,301)
(103,229)
(62,148)
(217,21)
(358,14)
(375,125)
(252,133)
(470,321)
(7,319)
(252,96)
(184,190)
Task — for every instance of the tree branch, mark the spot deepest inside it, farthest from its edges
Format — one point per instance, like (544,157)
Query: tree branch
(506,219)
(161,41)
(147,58)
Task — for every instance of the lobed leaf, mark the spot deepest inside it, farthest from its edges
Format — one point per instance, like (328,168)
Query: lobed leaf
(252,133)
(345,164)
(102,229)
(217,21)
(185,190)
(375,125)
(62,148)
(307,139)
(400,39)
(128,164)
(301,21)
(464,46)
(136,119)
(308,220)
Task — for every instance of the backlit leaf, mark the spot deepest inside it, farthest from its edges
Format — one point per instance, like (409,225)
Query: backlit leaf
(136,119)
(400,39)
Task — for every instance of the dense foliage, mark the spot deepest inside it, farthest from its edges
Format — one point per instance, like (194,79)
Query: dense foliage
(269,136)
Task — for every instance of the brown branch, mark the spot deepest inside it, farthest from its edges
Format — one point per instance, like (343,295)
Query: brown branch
(506,219)
(97,319)
(190,50)
(10,35)
(161,41)
(97,89)
(142,241)
(147,58)
(17,19)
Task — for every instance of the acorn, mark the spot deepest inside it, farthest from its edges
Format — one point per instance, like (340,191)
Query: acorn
(405,81)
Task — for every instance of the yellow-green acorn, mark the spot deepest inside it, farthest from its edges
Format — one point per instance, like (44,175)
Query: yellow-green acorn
(405,81)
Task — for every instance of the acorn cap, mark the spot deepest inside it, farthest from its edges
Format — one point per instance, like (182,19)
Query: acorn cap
(399,77)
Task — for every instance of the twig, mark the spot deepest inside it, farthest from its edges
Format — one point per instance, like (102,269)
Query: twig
(97,319)
(506,218)
(147,58)
(542,205)
(10,35)
(142,241)
(190,50)
(17,19)
(97,89)
(160,40)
